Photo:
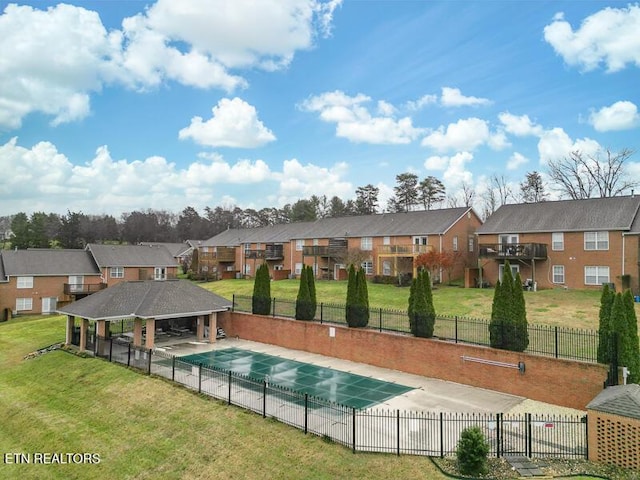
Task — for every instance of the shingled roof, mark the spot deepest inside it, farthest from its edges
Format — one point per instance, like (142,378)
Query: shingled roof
(621,400)
(147,299)
(591,214)
(48,262)
(131,255)
(428,222)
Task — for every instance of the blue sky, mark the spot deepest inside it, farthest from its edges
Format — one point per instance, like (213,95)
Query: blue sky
(110,107)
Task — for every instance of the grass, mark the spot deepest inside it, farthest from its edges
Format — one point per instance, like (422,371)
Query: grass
(144,427)
(568,308)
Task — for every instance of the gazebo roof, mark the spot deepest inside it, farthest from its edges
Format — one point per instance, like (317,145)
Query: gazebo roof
(621,400)
(147,299)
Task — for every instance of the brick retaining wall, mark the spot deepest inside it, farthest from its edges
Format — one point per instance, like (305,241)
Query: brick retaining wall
(560,382)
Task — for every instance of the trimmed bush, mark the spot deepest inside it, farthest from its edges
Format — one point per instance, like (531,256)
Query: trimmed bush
(604,325)
(357,307)
(508,326)
(261,299)
(304,307)
(472,451)
(422,314)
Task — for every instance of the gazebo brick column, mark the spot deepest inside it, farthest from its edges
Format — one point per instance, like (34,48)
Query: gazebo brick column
(151,332)
(137,332)
(200,327)
(102,329)
(84,326)
(213,327)
(71,323)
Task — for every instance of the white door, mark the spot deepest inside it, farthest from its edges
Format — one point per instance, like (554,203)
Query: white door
(49,304)
(508,243)
(76,283)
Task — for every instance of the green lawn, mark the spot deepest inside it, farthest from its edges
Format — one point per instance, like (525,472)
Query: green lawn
(569,308)
(144,427)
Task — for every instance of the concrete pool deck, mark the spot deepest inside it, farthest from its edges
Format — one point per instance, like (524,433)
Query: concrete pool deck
(428,394)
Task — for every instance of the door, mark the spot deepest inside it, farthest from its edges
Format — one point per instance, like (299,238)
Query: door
(76,283)
(49,304)
(508,243)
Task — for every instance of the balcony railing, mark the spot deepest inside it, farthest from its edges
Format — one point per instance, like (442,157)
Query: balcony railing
(221,254)
(522,251)
(324,251)
(406,249)
(83,288)
(269,253)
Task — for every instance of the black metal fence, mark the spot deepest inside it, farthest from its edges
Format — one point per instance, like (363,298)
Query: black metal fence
(547,340)
(370,430)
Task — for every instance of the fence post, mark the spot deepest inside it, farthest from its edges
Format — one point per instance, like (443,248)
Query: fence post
(129,355)
(380,315)
(264,399)
(233,302)
(586,436)
(200,378)
(229,401)
(353,412)
(306,412)
(441,435)
(456,326)
(273,310)
(173,368)
(149,362)
(398,431)
(110,348)
(321,312)
(556,340)
(498,435)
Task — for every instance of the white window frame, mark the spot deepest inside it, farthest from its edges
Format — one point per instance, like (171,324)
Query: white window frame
(471,243)
(116,272)
(299,244)
(557,274)
(367,266)
(594,271)
(247,269)
(24,304)
(386,267)
(76,283)
(557,242)
(386,240)
(24,282)
(455,243)
(366,244)
(159,273)
(515,269)
(596,241)
(298,269)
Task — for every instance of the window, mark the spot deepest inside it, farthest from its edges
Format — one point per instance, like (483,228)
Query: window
(386,240)
(557,241)
(316,242)
(298,270)
(366,243)
(471,244)
(596,240)
(159,273)
(25,282)
(386,267)
(247,269)
(76,283)
(514,270)
(116,272)
(299,244)
(596,275)
(558,274)
(24,304)
(455,243)
(367,267)
(247,247)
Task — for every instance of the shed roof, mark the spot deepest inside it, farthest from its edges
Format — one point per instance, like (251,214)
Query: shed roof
(590,214)
(621,400)
(147,299)
(48,262)
(427,222)
(131,255)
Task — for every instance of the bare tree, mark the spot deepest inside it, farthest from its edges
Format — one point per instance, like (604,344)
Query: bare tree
(490,203)
(468,194)
(584,176)
(503,189)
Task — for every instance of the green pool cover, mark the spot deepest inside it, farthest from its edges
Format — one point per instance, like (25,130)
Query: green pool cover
(333,385)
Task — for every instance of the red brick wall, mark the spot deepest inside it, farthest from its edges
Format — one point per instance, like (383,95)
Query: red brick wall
(560,382)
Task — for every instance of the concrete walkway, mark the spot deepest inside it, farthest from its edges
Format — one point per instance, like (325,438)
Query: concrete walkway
(428,394)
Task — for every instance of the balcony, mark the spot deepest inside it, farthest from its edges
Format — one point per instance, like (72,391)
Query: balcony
(225,254)
(83,288)
(324,251)
(514,251)
(408,249)
(271,252)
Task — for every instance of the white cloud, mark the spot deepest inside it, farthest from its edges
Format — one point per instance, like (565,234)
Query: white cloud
(466,134)
(555,145)
(619,116)
(234,123)
(436,162)
(454,168)
(516,161)
(608,37)
(298,181)
(452,97)
(385,108)
(422,102)
(355,123)
(519,125)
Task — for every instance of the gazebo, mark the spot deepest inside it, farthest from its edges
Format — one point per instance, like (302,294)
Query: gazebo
(146,302)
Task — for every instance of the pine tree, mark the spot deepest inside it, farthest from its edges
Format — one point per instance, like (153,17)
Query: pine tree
(351,297)
(632,331)
(362,295)
(508,327)
(620,333)
(303,301)
(411,307)
(520,341)
(312,292)
(497,316)
(604,325)
(430,311)
(261,300)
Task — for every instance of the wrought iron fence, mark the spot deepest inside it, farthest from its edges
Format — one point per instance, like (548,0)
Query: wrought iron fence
(547,340)
(368,430)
